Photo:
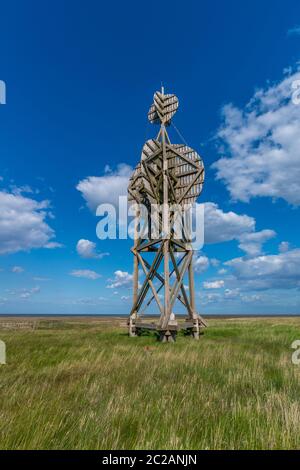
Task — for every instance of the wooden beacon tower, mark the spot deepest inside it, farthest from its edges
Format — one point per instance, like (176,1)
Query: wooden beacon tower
(167,175)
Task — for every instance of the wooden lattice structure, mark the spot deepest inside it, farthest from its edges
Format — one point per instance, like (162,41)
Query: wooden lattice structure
(167,175)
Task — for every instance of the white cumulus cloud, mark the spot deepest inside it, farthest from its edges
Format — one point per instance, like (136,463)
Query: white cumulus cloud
(106,188)
(284,247)
(252,243)
(121,279)
(27,293)
(213,284)
(268,271)
(201,263)
(87,249)
(259,145)
(23,224)
(17,269)
(85,273)
(220,226)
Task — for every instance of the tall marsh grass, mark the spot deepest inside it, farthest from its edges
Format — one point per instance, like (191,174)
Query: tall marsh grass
(89,386)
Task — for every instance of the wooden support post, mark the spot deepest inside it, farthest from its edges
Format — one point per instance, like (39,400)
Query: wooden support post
(192,288)
(133,315)
(166,231)
(135,261)
(195,331)
(131,326)
(167,336)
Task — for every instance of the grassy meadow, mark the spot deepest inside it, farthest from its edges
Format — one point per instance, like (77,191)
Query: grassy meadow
(83,384)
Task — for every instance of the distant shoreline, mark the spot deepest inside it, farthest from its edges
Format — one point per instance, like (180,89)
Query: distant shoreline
(100,315)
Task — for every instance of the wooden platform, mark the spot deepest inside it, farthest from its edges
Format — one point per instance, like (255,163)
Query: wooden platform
(171,327)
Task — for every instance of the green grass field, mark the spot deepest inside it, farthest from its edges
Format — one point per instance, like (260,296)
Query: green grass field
(86,385)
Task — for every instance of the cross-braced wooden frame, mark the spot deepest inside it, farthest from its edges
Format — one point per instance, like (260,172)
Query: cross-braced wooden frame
(168,175)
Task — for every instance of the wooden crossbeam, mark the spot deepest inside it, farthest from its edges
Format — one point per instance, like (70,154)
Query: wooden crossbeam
(150,274)
(161,279)
(182,156)
(154,155)
(174,292)
(143,246)
(144,289)
(190,185)
(184,294)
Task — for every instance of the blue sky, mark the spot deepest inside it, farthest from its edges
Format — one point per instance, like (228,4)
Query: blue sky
(80,77)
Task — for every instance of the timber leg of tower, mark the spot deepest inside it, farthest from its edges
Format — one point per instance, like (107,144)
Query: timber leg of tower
(194,319)
(167,336)
(132,330)
(194,330)
(195,326)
